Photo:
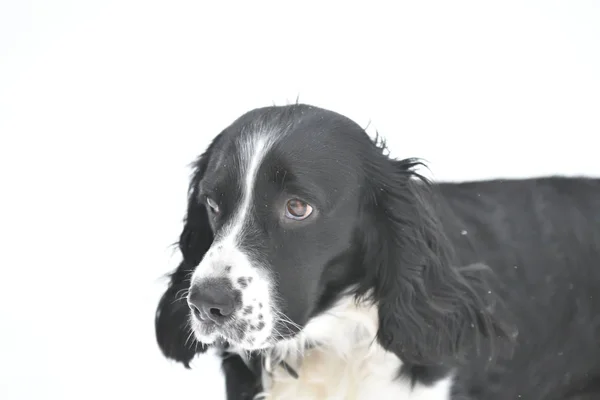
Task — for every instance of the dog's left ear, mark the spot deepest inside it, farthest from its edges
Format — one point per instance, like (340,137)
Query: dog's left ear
(173,331)
(430,311)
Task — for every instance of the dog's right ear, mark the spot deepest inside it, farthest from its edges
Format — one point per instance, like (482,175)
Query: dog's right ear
(173,332)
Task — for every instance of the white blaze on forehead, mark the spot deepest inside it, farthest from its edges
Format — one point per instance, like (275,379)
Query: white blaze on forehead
(225,251)
(252,153)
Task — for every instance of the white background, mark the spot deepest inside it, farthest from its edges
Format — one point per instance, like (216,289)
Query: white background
(103,104)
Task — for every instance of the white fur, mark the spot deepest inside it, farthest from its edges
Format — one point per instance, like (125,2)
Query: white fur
(225,258)
(345,362)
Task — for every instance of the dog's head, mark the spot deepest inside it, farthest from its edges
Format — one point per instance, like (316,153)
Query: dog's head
(289,208)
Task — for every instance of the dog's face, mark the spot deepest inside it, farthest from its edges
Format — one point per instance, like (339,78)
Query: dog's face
(283,208)
(288,209)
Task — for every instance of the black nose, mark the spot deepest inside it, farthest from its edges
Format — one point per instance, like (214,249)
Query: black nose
(214,300)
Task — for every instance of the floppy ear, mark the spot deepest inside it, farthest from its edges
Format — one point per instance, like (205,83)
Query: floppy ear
(429,310)
(173,332)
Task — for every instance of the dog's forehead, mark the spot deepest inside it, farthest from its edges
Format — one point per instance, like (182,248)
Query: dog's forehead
(318,148)
(305,133)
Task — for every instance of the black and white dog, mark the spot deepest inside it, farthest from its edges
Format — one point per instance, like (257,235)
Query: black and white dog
(324,269)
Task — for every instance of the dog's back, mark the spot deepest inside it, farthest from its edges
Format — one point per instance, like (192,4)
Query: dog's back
(542,239)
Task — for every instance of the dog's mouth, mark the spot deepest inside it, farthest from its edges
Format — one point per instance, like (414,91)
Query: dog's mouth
(244,333)
(237,332)
(247,335)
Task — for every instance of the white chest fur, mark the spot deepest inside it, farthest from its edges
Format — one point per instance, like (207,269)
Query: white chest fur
(344,362)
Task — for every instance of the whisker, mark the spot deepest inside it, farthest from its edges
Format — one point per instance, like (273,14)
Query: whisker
(191,334)
(282,317)
(184,290)
(181,295)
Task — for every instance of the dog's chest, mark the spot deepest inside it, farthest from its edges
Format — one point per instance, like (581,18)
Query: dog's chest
(344,362)
(370,373)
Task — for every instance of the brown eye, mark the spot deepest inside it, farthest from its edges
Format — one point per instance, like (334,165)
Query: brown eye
(297,209)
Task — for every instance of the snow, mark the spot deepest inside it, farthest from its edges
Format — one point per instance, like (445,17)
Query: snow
(104,104)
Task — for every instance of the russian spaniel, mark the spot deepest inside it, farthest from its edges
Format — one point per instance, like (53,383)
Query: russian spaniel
(321,268)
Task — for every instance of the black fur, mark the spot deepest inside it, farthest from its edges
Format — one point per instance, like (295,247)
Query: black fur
(429,310)
(241,380)
(455,268)
(173,334)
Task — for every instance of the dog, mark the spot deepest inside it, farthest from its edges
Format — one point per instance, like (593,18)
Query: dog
(321,268)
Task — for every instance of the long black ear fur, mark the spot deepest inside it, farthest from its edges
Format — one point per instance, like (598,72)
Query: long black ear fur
(430,311)
(173,333)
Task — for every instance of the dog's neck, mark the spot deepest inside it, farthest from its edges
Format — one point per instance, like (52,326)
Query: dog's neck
(335,356)
(348,325)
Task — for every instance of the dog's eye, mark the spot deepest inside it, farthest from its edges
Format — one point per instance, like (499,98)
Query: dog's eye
(213,205)
(297,209)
